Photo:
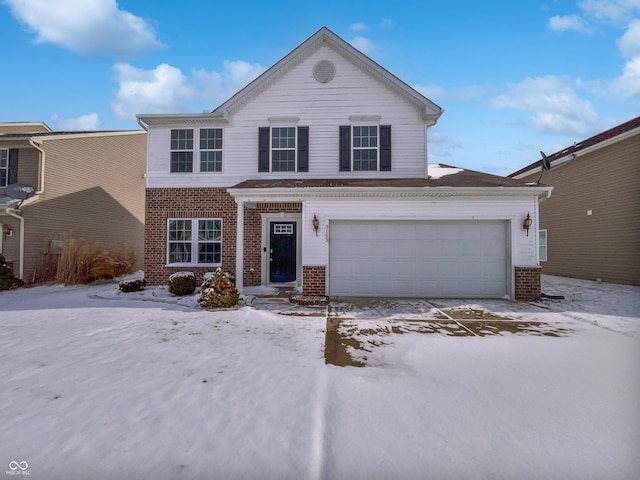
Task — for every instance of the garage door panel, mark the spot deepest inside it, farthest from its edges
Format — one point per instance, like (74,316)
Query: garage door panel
(418,258)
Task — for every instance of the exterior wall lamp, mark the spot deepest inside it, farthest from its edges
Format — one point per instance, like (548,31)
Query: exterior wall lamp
(526,224)
(316,223)
(6,231)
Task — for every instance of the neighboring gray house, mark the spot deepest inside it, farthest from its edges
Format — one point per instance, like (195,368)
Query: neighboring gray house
(316,175)
(590,228)
(89,185)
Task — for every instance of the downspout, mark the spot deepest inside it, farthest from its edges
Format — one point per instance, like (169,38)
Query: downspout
(17,214)
(40,188)
(142,124)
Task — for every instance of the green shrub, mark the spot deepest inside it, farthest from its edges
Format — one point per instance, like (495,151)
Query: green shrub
(182,283)
(7,280)
(128,286)
(218,291)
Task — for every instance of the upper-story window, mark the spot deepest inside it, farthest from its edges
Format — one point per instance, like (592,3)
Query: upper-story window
(283,149)
(4,167)
(210,149)
(182,150)
(365,148)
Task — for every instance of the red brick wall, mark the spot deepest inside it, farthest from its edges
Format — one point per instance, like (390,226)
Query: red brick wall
(313,280)
(527,280)
(164,203)
(253,237)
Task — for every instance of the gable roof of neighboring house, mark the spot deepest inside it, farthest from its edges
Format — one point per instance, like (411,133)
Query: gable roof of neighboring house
(75,133)
(323,37)
(23,127)
(613,135)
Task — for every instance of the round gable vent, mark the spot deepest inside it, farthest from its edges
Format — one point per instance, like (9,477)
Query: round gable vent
(324,71)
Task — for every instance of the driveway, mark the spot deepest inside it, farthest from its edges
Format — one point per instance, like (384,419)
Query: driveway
(357,325)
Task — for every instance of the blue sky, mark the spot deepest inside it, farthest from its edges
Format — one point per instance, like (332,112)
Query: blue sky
(514,77)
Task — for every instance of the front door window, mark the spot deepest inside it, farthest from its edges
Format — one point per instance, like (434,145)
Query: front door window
(282,258)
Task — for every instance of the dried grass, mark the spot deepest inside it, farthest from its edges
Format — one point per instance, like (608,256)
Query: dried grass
(83,262)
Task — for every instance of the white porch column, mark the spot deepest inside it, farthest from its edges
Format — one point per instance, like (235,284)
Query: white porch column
(240,245)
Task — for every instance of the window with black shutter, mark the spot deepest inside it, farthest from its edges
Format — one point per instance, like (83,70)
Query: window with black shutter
(283,149)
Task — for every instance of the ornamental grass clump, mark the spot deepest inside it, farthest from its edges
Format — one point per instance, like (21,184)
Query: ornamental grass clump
(182,283)
(82,261)
(7,280)
(218,291)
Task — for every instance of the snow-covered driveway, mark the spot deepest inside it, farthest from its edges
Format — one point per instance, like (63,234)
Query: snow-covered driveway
(124,388)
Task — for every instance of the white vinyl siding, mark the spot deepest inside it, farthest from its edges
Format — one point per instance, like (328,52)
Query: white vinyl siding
(322,107)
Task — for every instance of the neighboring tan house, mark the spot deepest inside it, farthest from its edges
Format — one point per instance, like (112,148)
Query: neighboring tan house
(315,175)
(88,185)
(590,228)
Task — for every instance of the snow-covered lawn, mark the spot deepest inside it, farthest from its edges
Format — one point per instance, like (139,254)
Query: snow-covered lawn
(96,384)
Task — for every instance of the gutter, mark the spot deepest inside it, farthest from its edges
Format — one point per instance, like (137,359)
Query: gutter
(144,126)
(17,214)
(37,146)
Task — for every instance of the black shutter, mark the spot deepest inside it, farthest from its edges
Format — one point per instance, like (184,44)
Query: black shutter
(345,148)
(13,166)
(303,149)
(263,149)
(385,148)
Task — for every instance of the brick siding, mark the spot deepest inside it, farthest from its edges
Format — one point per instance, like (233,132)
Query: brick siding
(164,203)
(313,280)
(527,280)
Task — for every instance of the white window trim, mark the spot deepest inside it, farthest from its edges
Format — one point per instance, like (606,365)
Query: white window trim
(221,150)
(195,151)
(194,243)
(546,245)
(295,148)
(6,168)
(353,148)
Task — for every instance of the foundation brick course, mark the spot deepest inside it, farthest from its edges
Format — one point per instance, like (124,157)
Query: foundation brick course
(527,283)
(313,280)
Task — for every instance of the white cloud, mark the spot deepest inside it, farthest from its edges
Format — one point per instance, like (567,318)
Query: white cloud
(358,27)
(611,11)
(556,107)
(568,22)
(434,92)
(629,43)
(166,89)
(628,84)
(87,26)
(365,45)
(88,122)
(431,91)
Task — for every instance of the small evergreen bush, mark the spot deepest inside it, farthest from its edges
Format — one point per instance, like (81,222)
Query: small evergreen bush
(128,286)
(7,280)
(218,291)
(182,283)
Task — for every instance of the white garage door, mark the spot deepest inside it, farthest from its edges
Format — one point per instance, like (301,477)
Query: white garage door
(418,259)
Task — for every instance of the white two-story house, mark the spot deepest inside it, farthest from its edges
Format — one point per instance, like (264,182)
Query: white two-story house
(316,175)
